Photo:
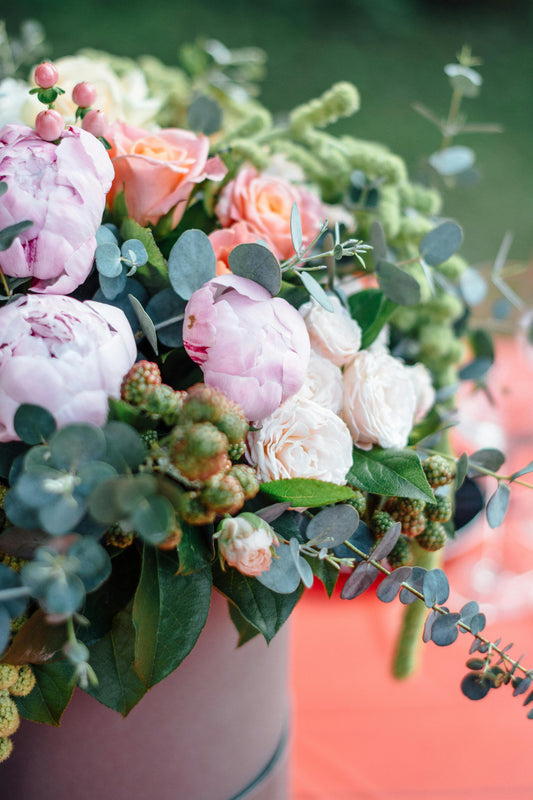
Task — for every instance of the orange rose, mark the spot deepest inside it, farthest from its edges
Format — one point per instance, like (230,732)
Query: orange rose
(265,203)
(158,171)
(226,239)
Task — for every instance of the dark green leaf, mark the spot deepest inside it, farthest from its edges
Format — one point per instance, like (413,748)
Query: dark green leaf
(54,684)
(145,323)
(497,505)
(124,447)
(325,572)
(194,551)
(256,262)
(307,492)
(395,473)
(359,581)
(191,263)
(442,242)
(315,290)
(169,613)
(397,284)
(461,470)
(245,630)
(390,586)
(34,424)
(444,630)
(9,234)
(9,451)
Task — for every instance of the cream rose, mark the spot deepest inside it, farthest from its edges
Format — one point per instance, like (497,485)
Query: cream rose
(323,383)
(379,400)
(245,542)
(333,334)
(301,440)
(424,391)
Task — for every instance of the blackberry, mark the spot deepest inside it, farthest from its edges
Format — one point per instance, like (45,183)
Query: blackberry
(223,494)
(434,536)
(247,478)
(358,502)
(162,402)
(6,747)
(401,554)
(194,511)
(439,471)
(380,523)
(440,511)
(409,512)
(24,683)
(143,376)
(149,438)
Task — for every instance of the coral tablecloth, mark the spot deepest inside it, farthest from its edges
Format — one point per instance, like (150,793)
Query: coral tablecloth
(360,735)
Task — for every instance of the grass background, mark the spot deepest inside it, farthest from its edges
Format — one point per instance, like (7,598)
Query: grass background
(393,50)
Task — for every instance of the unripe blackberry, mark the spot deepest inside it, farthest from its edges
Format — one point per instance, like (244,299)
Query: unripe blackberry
(439,471)
(199,451)
(9,715)
(6,748)
(358,502)
(207,404)
(236,451)
(440,511)
(163,402)
(409,512)
(193,510)
(247,478)
(116,537)
(141,377)
(149,438)
(173,539)
(223,494)
(11,561)
(8,676)
(24,683)
(433,538)
(401,554)
(380,523)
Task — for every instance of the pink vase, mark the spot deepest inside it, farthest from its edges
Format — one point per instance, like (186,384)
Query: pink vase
(215,729)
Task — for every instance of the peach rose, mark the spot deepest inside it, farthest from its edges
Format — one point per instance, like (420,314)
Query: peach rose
(158,171)
(265,203)
(246,543)
(225,239)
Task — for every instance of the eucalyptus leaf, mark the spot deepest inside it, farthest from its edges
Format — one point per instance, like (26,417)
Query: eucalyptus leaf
(9,234)
(461,471)
(304,570)
(154,274)
(359,581)
(204,115)
(416,581)
(468,611)
(444,631)
(475,370)
(124,447)
(497,505)
(296,228)
(331,526)
(3,188)
(473,286)
(153,518)
(167,310)
(315,290)
(390,586)
(474,686)
(524,471)
(33,424)
(62,516)
(464,79)
(283,576)
(257,263)
(428,625)
(108,260)
(111,288)
(442,242)
(378,241)
(95,563)
(477,623)
(452,160)
(76,444)
(191,263)
(435,588)
(397,284)
(394,473)
(387,542)
(135,252)
(146,324)
(488,458)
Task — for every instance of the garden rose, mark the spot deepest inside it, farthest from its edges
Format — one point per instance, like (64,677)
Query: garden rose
(225,239)
(379,400)
(64,355)
(333,334)
(424,391)
(323,383)
(246,542)
(301,440)
(61,189)
(158,171)
(265,203)
(250,345)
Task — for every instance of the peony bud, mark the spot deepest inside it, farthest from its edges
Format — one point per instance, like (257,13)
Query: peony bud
(45,75)
(246,543)
(84,94)
(95,122)
(49,125)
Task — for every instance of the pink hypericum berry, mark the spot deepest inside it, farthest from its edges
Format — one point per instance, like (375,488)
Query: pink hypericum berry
(95,122)
(45,75)
(84,94)
(49,125)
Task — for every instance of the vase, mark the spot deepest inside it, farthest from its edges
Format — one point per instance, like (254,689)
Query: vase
(216,729)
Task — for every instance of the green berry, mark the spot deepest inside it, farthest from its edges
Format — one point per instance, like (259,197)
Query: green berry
(380,523)
(162,402)
(6,748)
(116,537)
(24,683)
(401,554)
(440,511)
(358,502)
(236,451)
(439,471)
(193,510)
(223,494)
(247,478)
(433,538)
(207,404)
(8,675)
(144,375)
(149,438)
(9,715)
(409,512)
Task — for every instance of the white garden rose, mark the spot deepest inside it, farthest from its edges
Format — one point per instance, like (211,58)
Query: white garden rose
(379,400)
(424,390)
(245,542)
(301,440)
(333,334)
(323,383)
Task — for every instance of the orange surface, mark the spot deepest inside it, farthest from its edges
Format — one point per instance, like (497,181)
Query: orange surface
(360,735)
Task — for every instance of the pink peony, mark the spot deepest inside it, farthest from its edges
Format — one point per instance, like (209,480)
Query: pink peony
(265,203)
(251,346)
(64,355)
(61,189)
(158,171)
(225,239)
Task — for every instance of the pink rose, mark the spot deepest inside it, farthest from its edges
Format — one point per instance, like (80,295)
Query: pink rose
(61,189)
(250,345)
(265,203)
(245,542)
(64,355)
(158,171)
(225,239)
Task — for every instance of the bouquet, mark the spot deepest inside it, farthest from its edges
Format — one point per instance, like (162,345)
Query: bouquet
(229,352)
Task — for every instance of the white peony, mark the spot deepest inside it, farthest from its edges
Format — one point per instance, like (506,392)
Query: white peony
(323,383)
(301,440)
(379,400)
(424,390)
(333,334)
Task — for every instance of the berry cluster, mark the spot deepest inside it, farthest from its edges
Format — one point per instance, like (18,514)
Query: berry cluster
(15,681)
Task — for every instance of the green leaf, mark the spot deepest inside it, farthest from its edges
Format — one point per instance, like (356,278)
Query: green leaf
(324,571)
(378,241)
(112,657)
(255,262)
(146,324)
(3,188)
(245,630)
(331,526)
(191,263)
(397,285)
(9,234)
(487,458)
(169,613)
(34,424)
(124,447)
(166,310)
(394,473)
(54,684)
(461,470)
(77,444)
(194,551)
(371,309)
(497,505)
(265,610)
(296,228)
(315,290)
(439,244)
(154,274)
(307,492)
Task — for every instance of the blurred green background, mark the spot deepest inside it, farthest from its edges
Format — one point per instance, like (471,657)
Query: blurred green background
(393,50)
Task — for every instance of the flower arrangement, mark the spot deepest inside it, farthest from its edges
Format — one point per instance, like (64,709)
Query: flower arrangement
(208,382)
